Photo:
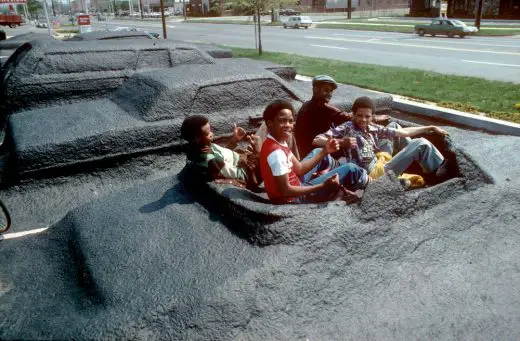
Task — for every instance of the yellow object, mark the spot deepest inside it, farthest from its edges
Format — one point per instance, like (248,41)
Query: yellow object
(379,170)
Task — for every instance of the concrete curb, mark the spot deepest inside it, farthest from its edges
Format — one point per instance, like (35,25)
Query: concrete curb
(457,117)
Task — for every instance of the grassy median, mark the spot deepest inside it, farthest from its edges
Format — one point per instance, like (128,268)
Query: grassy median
(495,99)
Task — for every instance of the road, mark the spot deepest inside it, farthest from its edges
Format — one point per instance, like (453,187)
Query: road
(494,58)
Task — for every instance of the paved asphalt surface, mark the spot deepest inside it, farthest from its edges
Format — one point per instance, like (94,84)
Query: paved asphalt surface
(496,58)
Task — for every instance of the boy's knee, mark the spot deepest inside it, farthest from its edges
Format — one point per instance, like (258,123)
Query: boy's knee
(394,125)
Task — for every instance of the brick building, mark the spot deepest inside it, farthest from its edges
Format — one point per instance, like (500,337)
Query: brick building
(505,9)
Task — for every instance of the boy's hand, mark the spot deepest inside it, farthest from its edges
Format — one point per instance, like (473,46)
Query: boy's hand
(348,143)
(331,146)
(332,182)
(256,142)
(438,130)
(238,133)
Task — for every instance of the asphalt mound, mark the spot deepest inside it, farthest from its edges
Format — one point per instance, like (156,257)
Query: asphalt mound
(47,72)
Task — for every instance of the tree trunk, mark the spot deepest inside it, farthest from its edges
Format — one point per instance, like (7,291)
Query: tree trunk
(479,13)
(259,32)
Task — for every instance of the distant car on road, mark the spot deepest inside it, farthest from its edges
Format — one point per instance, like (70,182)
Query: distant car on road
(297,22)
(41,25)
(447,27)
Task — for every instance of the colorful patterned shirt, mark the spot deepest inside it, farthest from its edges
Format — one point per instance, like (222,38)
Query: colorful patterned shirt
(367,142)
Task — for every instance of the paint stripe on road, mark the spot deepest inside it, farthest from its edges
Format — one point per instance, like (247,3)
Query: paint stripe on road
(331,47)
(489,63)
(412,45)
(21,234)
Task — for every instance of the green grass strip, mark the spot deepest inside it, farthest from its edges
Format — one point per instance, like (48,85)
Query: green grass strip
(496,98)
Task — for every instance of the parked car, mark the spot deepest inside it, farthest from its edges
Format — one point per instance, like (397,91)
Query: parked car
(447,27)
(41,24)
(297,22)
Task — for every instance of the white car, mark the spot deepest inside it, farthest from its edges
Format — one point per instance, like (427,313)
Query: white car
(298,21)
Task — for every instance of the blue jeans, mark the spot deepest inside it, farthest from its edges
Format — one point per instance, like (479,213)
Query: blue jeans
(410,150)
(351,176)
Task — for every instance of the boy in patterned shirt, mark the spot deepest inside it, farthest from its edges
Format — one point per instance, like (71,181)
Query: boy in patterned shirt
(366,144)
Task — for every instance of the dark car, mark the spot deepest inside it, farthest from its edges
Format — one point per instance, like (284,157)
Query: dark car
(447,27)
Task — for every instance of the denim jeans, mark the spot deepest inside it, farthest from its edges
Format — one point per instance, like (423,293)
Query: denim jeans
(351,176)
(409,150)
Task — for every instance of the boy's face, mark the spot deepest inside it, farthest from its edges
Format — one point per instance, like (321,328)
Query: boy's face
(281,126)
(205,136)
(323,91)
(363,117)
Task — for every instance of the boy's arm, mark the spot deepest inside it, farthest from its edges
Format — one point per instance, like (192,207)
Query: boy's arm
(414,131)
(301,168)
(288,190)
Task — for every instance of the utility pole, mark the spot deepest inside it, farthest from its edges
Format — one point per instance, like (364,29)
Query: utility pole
(480,7)
(163,20)
(259,31)
(349,9)
(47,17)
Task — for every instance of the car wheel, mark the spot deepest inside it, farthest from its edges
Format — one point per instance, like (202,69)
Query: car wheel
(433,34)
(296,26)
(450,34)
(12,25)
(421,32)
(306,27)
(284,26)
(462,35)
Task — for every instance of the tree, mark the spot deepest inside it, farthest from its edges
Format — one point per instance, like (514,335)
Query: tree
(34,6)
(255,7)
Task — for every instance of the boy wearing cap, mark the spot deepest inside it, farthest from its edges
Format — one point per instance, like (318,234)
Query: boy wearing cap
(317,115)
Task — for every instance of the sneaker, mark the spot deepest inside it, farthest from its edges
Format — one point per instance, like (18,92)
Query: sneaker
(405,183)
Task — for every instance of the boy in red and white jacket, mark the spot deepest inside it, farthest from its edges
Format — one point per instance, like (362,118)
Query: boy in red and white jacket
(288,180)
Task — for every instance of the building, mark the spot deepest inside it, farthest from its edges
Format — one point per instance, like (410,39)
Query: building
(356,5)
(504,9)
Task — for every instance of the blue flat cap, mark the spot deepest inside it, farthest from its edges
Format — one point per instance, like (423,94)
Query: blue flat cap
(324,79)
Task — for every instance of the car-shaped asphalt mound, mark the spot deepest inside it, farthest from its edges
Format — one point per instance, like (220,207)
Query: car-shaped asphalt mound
(136,249)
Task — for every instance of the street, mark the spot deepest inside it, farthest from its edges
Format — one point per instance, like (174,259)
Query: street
(494,58)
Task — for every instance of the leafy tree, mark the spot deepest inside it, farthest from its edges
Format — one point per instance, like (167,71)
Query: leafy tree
(34,6)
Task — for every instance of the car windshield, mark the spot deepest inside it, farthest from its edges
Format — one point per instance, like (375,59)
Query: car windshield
(458,23)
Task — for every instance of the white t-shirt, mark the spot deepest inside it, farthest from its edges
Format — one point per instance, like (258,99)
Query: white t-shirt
(279,162)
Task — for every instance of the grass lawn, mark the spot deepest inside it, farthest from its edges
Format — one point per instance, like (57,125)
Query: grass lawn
(496,99)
